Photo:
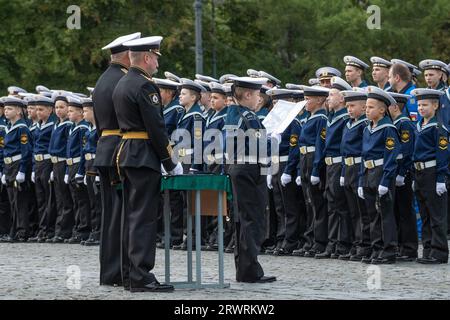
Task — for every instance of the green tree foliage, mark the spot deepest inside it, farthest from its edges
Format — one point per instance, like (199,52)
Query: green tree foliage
(288,38)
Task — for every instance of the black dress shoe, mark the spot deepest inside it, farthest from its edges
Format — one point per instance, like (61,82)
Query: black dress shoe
(154,287)
(58,239)
(229,250)
(299,252)
(334,255)
(282,252)
(311,253)
(33,239)
(74,240)
(430,260)
(346,257)
(91,243)
(364,259)
(323,255)
(406,258)
(389,260)
(42,240)
(210,247)
(266,279)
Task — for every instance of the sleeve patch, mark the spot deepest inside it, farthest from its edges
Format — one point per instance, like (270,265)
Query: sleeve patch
(323,134)
(443,143)
(24,138)
(293,140)
(390,143)
(405,136)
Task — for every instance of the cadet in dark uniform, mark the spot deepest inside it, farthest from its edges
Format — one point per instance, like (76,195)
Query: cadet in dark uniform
(339,223)
(5,209)
(42,168)
(17,155)
(91,178)
(404,198)
(109,137)
(431,170)
(354,71)
(311,143)
(377,177)
(351,150)
(58,151)
(248,182)
(75,171)
(144,146)
(380,72)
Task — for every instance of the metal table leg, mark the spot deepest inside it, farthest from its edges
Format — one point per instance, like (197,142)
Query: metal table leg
(167,234)
(189,236)
(220,240)
(198,236)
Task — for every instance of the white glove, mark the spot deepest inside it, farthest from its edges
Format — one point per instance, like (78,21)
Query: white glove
(52,177)
(341,181)
(4,179)
(361,192)
(269,182)
(399,181)
(315,180)
(79,178)
(413,186)
(66,179)
(285,179)
(382,190)
(178,171)
(163,171)
(97,179)
(298,181)
(440,188)
(20,177)
(33,177)
(85,180)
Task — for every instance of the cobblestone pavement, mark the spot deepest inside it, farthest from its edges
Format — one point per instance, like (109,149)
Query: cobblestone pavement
(42,271)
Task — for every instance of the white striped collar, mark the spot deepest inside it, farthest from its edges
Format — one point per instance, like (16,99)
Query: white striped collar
(42,127)
(63,123)
(336,119)
(215,118)
(171,108)
(14,127)
(401,118)
(351,124)
(190,114)
(317,115)
(85,126)
(380,127)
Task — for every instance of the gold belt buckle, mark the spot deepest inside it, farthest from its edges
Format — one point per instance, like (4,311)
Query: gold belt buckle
(8,160)
(69,162)
(39,157)
(182,152)
(54,159)
(370,164)
(88,156)
(349,161)
(419,166)
(329,161)
(303,150)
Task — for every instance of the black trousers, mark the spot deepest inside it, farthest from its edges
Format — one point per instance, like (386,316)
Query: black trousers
(250,189)
(94,194)
(45,198)
(433,211)
(271,221)
(405,216)
(5,211)
(111,195)
(359,216)
(340,230)
(141,196)
(20,196)
(80,197)
(279,201)
(383,227)
(317,218)
(65,219)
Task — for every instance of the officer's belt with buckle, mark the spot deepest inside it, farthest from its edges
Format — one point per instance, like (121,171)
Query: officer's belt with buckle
(9,160)
(305,150)
(136,135)
(424,165)
(185,152)
(107,133)
(89,156)
(370,164)
(42,157)
(351,161)
(276,159)
(330,160)
(72,161)
(58,159)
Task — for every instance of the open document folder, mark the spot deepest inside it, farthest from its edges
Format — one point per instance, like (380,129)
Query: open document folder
(281,116)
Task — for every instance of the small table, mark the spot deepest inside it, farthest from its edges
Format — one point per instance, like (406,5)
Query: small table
(214,190)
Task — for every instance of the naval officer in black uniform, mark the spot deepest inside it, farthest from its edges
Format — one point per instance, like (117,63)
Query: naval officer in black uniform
(144,147)
(109,134)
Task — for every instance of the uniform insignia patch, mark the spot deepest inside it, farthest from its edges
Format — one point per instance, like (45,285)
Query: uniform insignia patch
(198,133)
(293,140)
(2,142)
(443,143)
(24,138)
(323,134)
(155,98)
(405,136)
(390,143)
(84,141)
(257,134)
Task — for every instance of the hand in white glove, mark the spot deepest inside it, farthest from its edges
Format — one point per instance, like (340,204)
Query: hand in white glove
(440,188)
(33,177)
(52,177)
(269,182)
(66,179)
(163,171)
(97,179)
(85,180)
(20,177)
(298,181)
(382,190)
(285,179)
(413,186)
(341,181)
(399,181)
(79,178)
(178,171)
(4,180)
(315,180)
(361,192)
